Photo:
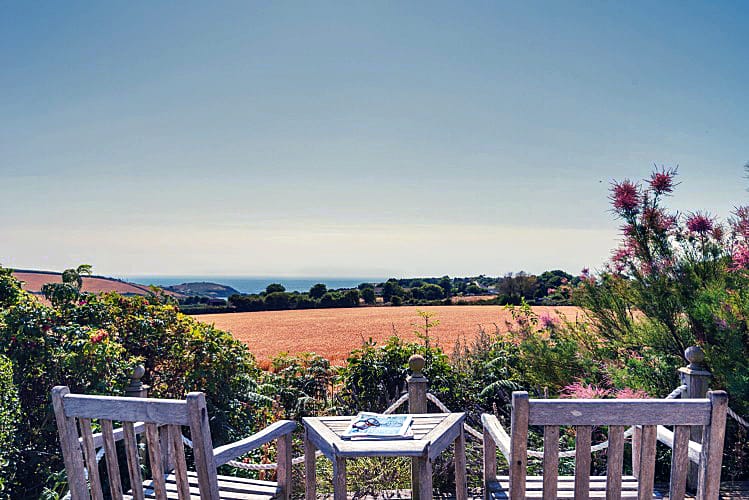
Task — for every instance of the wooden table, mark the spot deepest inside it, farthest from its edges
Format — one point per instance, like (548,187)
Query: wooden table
(433,433)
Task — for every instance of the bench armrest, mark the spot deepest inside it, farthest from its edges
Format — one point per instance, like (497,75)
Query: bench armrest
(494,429)
(228,452)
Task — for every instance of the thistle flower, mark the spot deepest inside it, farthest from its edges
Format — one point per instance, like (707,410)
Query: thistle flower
(547,322)
(625,196)
(662,182)
(700,223)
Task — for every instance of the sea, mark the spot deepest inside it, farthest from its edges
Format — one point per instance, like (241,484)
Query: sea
(254,284)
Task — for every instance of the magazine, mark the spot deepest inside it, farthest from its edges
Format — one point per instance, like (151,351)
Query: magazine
(378,426)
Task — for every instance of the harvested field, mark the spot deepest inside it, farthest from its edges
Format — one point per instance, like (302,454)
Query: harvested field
(34,281)
(333,333)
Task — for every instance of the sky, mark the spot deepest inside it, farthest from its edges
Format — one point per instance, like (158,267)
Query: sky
(366,139)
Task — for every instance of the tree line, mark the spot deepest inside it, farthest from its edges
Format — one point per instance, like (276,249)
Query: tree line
(548,288)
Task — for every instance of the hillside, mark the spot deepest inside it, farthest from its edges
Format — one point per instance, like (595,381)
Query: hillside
(33,281)
(203,289)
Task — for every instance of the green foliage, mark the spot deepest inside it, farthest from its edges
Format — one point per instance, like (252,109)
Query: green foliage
(368,294)
(91,343)
(318,290)
(275,288)
(10,416)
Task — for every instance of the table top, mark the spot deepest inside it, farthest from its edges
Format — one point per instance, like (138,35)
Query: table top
(433,432)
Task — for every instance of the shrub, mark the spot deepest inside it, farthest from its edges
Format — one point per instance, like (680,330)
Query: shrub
(9,418)
(91,343)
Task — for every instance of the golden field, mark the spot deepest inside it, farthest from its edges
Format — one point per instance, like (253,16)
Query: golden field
(334,333)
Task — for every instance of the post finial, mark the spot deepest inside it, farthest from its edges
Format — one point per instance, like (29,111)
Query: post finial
(136,388)
(416,363)
(696,357)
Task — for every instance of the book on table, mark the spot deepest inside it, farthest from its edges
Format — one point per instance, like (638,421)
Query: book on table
(379,426)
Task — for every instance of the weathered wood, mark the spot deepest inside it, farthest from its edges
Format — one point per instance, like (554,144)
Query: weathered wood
(167,458)
(310,472)
(133,464)
(110,455)
(497,433)
(180,466)
(565,487)
(490,458)
(155,457)
(319,434)
(202,446)
(461,484)
(619,412)
(283,472)
(71,451)
(518,445)
(666,437)
(417,403)
(425,479)
(223,454)
(636,447)
(444,434)
(551,461)
(157,411)
(582,460)
(118,434)
(646,476)
(679,462)
(614,462)
(339,479)
(712,448)
(89,455)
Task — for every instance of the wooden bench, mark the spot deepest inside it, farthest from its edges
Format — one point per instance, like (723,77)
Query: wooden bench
(647,415)
(161,420)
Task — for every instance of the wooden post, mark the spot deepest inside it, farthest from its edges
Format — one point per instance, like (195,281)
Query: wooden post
(136,388)
(697,379)
(417,403)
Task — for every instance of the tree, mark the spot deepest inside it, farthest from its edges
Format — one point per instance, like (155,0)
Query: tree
(318,290)
(275,287)
(368,294)
(350,298)
(75,276)
(396,300)
(391,288)
(447,286)
(278,301)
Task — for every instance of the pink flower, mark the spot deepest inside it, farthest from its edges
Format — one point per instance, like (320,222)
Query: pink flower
(740,221)
(625,196)
(700,223)
(550,291)
(663,181)
(740,258)
(580,390)
(547,322)
(628,393)
(658,220)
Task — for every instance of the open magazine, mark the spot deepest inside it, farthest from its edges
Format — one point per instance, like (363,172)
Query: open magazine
(378,426)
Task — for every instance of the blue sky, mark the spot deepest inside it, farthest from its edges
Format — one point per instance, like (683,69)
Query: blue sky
(352,138)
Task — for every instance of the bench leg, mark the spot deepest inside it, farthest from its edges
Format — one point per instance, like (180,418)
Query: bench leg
(425,478)
(461,486)
(339,478)
(310,474)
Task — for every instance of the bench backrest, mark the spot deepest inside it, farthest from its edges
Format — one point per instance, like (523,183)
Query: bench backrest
(160,419)
(618,414)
